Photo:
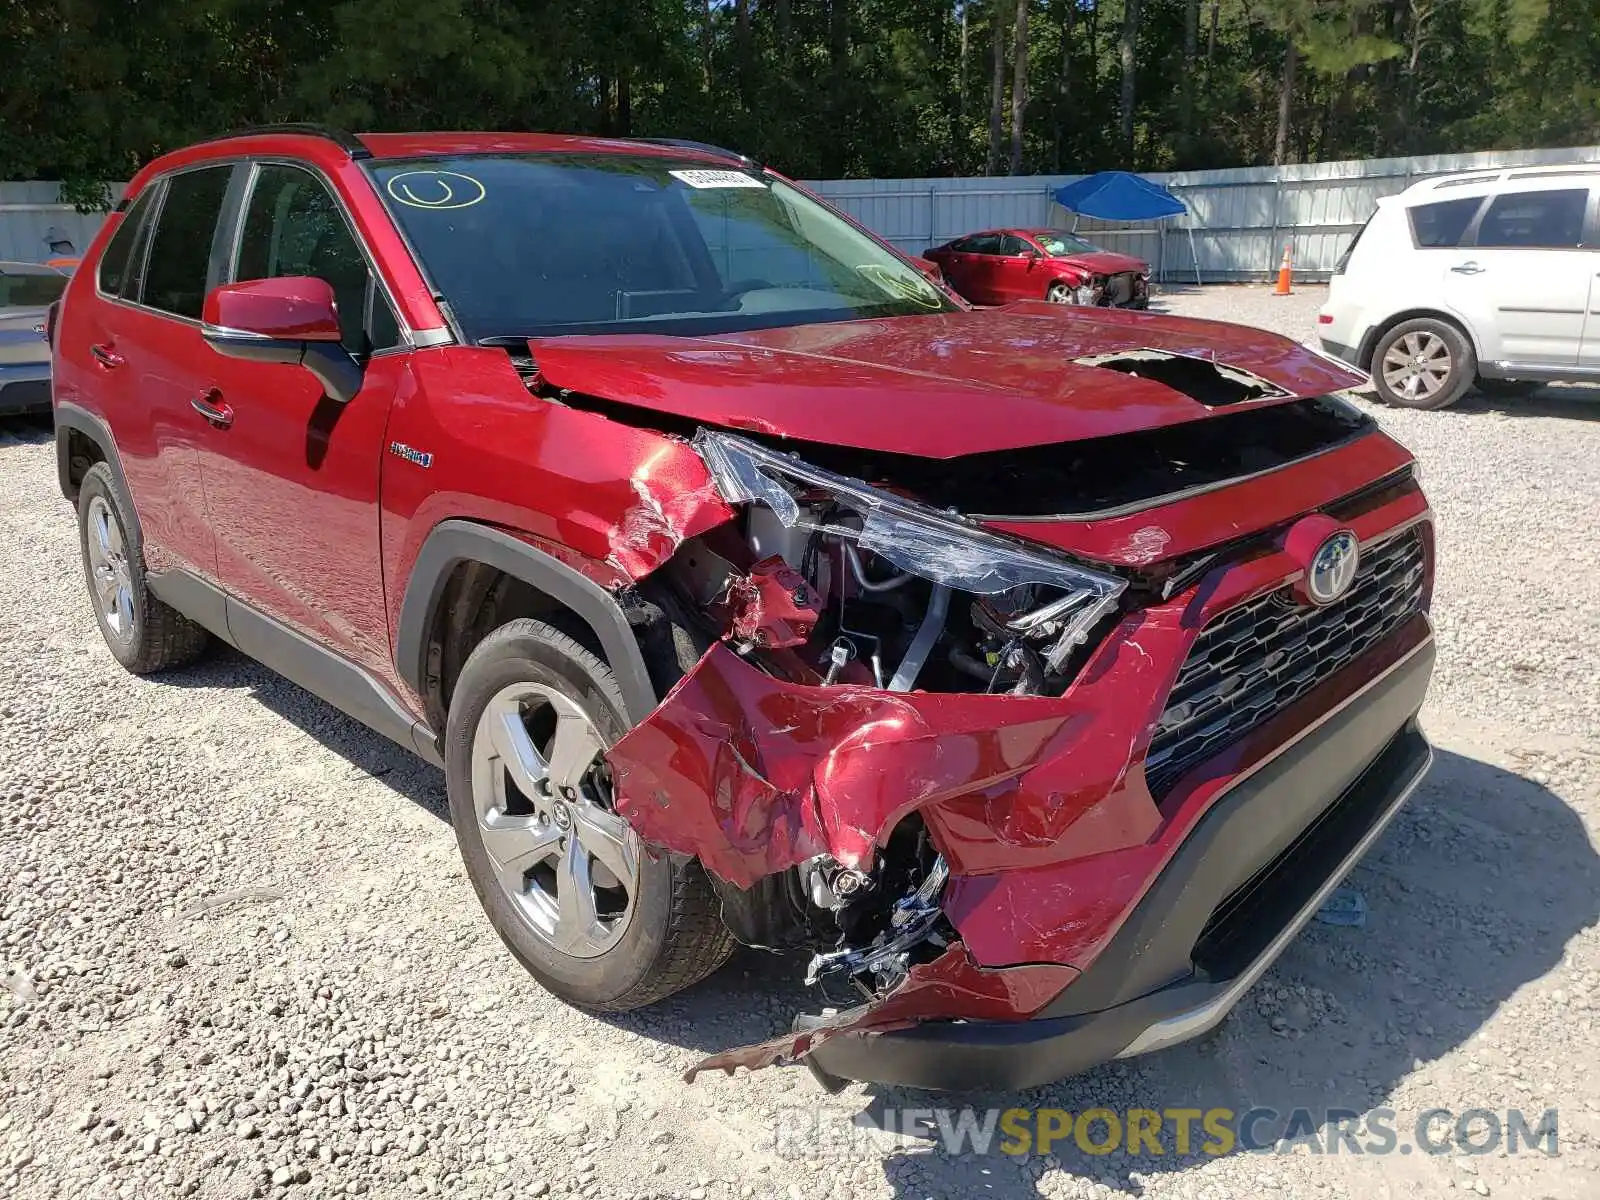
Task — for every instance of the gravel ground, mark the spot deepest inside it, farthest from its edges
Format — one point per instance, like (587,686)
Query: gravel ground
(241,957)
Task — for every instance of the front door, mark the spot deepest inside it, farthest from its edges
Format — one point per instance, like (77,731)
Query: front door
(1522,278)
(976,267)
(292,479)
(1017,275)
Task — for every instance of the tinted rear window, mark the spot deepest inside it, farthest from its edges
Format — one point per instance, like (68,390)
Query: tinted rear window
(1546,219)
(30,290)
(113,270)
(1340,267)
(1444,223)
(180,251)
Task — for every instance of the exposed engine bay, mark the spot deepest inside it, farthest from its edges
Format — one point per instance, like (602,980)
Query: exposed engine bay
(833,582)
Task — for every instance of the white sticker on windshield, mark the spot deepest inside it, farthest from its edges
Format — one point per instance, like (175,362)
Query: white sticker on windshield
(717,179)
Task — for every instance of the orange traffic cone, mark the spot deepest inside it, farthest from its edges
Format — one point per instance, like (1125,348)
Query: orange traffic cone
(1283,275)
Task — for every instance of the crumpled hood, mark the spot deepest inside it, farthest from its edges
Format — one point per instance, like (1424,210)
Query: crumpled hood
(936,386)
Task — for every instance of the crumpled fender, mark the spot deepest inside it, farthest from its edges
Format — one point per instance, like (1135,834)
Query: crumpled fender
(674,498)
(951,987)
(752,775)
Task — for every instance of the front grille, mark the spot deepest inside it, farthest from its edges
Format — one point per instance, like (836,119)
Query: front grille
(1255,660)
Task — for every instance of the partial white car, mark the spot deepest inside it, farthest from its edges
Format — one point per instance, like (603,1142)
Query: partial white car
(1489,278)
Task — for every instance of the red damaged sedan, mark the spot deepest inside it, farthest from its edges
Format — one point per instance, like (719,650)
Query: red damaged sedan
(1037,677)
(1003,265)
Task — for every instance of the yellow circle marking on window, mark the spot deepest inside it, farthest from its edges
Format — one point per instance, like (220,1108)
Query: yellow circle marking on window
(436,190)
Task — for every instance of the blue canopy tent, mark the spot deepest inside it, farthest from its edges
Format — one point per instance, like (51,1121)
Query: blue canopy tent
(1123,196)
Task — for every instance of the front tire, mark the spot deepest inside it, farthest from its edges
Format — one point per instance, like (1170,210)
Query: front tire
(1423,364)
(592,914)
(144,634)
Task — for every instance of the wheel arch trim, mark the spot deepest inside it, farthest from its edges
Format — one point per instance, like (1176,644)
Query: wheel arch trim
(456,541)
(70,418)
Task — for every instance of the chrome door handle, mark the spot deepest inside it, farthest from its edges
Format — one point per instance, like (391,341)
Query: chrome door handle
(1469,268)
(212,407)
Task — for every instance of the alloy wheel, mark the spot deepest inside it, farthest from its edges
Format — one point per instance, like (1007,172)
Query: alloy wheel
(110,577)
(567,862)
(1417,366)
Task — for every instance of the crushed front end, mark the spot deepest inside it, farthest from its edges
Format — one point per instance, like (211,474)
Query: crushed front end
(1041,789)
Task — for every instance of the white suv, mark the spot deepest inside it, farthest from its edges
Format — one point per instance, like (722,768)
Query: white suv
(1491,278)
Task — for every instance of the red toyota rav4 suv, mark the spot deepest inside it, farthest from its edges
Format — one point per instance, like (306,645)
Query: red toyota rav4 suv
(1040,670)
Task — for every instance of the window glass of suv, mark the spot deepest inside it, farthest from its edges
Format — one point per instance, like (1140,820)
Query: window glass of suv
(294,226)
(1552,219)
(180,249)
(1340,267)
(1441,224)
(113,268)
(539,244)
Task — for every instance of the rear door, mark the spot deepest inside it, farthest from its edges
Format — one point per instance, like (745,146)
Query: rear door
(959,264)
(144,350)
(1521,277)
(978,264)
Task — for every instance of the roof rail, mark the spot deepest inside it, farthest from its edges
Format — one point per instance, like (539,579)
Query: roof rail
(348,142)
(703,147)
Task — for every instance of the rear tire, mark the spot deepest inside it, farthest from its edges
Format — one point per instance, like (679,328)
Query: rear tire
(144,634)
(1423,363)
(591,913)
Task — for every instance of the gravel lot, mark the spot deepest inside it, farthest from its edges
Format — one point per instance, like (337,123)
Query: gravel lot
(241,957)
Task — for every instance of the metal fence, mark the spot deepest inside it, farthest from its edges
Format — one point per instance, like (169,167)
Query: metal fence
(32,217)
(1241,218)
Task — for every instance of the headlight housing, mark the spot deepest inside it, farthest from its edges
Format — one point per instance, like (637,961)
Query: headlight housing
(942,548)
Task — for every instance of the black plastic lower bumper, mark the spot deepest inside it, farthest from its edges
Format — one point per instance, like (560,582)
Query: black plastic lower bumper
(1342,352)
(1226,915)
(21,393)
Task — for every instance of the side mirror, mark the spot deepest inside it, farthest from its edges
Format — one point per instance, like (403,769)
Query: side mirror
(292,319)
(928,268)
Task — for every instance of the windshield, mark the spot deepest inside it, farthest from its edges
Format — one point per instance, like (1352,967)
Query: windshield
(543,244)
(1059,245)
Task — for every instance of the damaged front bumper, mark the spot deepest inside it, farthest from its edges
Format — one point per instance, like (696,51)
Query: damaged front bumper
(1247,918)
(1088,918)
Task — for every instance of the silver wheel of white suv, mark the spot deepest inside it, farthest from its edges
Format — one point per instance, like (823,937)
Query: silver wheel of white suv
(1423,363)
(1417,366)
